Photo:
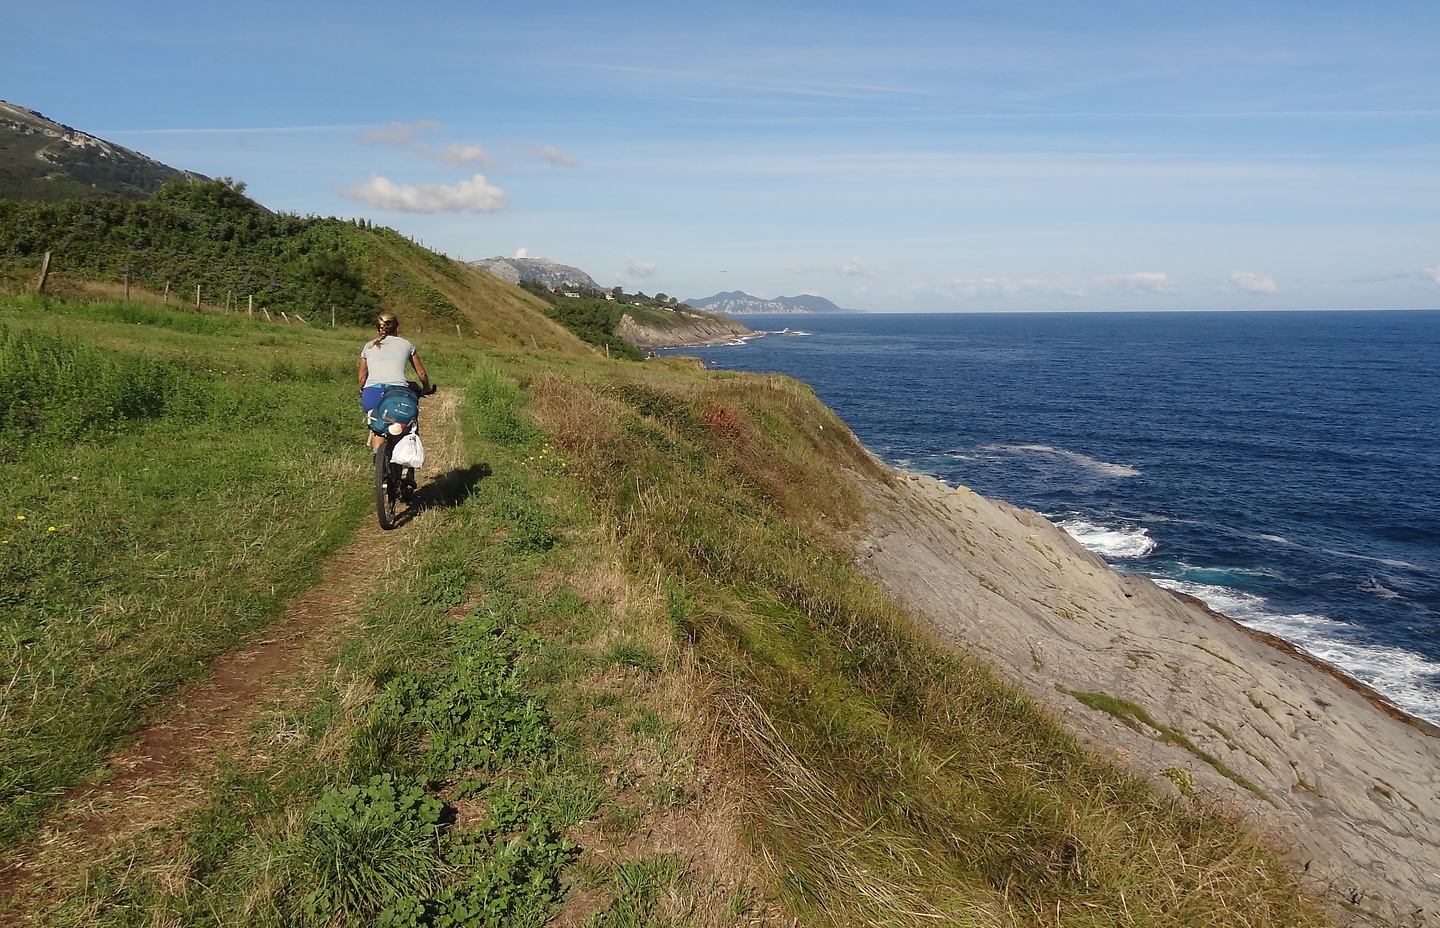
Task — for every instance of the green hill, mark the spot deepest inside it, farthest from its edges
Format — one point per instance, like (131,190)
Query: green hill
(617,670)
(43,160)
(243,257)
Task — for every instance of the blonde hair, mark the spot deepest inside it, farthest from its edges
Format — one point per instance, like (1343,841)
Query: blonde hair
(388,324)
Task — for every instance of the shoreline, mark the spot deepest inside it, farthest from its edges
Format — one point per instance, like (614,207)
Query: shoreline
(1343,781)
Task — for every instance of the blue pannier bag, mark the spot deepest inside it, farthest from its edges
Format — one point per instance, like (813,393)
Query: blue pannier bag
(397,405)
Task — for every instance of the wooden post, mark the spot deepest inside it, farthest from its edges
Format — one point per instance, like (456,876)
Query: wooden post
(533,342)
(229,295)
(197,296)
(166,300)
(250,307)
(285,317)
(44,273)
(332,315)
(127,283)
(457,328)
(267,314)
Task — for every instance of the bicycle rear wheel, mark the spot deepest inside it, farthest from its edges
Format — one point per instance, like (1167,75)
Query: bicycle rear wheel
(387,489)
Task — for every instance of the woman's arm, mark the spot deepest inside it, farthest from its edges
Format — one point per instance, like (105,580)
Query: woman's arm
(420,370)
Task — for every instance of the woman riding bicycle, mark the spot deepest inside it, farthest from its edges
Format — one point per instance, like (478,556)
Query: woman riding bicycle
(382,364)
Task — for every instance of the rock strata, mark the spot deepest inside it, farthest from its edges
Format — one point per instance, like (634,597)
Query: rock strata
(1345,784)
(691,331)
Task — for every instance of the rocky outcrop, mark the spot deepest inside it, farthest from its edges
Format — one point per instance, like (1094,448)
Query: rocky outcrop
(543,271)
(41,159)
(689,331)
(1343,783)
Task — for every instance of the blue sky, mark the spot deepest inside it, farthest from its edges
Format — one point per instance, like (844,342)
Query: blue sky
(907,157)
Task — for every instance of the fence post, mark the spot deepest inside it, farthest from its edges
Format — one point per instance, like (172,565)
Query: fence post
(44,273)
(197,296)
(166,300)
(127,283)
(332,315)
(250,307)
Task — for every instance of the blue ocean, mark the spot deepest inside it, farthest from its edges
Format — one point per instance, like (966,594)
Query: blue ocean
(1282,467)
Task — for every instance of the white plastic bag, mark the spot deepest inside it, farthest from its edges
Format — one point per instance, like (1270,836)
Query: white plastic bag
(409,452)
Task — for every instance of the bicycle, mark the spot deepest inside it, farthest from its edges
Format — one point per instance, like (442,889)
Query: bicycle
(397,415)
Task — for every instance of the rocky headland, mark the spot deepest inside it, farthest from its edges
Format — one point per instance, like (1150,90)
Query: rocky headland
(1343,784)
(687,331)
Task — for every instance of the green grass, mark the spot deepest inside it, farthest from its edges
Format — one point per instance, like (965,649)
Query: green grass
(626,675)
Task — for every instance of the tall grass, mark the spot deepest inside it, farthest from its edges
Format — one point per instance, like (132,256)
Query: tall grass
(626,634)
(157,510)
(892,783)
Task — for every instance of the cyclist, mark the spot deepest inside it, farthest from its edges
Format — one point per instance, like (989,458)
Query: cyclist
(382,364)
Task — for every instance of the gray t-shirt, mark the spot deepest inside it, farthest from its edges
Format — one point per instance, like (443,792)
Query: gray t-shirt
(386,362)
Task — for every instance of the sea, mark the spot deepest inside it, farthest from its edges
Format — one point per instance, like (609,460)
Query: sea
(1284,467)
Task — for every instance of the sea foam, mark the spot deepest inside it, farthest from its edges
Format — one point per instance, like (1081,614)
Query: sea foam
(1123,542)
(1405,678)
(1104,468)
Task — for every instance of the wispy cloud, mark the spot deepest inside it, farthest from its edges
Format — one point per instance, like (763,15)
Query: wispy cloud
(397,133)
(1433,273)
(553,155)
(853,268)
(407,135)
(476,195)
(1139,282)
(1253,283)
(983,288)
(1004,287)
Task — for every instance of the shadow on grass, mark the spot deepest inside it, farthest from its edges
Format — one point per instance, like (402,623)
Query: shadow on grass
(451,488)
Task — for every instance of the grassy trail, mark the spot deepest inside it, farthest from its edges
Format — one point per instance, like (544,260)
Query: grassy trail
(160,778)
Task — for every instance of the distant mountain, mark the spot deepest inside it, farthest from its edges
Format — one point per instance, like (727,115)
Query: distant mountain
(738,303)
(541,270)
(44,161)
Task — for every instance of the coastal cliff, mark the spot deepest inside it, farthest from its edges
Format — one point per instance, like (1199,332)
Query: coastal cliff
(687,331)
(1345,785)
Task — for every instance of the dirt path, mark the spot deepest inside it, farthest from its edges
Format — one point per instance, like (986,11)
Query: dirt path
(163,775)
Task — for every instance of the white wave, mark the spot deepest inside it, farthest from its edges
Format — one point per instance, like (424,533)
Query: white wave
(1409,680)
(1125,542)
(1074,457)
(1276,539)
(1385,561)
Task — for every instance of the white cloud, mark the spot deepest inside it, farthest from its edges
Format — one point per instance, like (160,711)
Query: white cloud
(522,252)
(397,133)
(555,156)
(800,270)
(1432,273)
(1254,283)
(458,154)
(853,268)
(1139,282)
(476,195)
(635,268)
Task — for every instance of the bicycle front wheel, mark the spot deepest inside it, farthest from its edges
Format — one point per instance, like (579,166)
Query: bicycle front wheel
(387,490)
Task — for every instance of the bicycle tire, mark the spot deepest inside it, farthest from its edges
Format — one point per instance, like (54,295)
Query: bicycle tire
(385,489)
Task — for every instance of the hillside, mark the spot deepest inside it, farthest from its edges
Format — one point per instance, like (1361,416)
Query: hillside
(208,238)
(618,666)
(42,160)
